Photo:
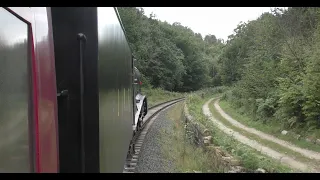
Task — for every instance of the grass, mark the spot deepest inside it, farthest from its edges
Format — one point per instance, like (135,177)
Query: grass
(158,95)
(250,158)
(186,157)
(264,142)
(271,127)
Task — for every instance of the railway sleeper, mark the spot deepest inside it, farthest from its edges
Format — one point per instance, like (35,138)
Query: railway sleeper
(131,164)
(129,168)
(132,160)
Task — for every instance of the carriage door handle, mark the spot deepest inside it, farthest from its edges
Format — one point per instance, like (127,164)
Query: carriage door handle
(63,93)
(82,41)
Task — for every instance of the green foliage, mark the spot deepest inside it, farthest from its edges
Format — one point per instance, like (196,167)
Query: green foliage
(185,155)
(249,158)
(272,63)
(171,57)
(158,95)
(273,66)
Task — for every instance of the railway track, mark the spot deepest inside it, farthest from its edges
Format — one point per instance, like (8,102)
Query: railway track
(138,138)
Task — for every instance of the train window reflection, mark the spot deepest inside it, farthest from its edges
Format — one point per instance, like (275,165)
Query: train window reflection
(14,94)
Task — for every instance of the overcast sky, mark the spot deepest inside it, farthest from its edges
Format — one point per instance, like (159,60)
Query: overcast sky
(219,21)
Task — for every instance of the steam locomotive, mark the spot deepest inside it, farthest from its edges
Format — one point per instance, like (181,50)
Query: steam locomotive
(70,95)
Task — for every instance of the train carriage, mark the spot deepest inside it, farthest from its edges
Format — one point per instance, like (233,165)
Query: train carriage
(66,90)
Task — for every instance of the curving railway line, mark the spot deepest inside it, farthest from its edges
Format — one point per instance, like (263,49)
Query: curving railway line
(139,136)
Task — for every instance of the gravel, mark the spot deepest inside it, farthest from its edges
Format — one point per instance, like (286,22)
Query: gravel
(151,158)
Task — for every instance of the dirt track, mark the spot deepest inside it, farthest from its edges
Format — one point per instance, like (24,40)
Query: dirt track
(254,144)
(304,152)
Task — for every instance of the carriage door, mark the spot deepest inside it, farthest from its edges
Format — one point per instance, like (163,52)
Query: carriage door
(15,95)
(75,44)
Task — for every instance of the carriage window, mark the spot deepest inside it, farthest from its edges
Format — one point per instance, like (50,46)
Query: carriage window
(14,94)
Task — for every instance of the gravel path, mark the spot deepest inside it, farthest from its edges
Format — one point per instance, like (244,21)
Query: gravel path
(307,153)
(254,144)
(151,158)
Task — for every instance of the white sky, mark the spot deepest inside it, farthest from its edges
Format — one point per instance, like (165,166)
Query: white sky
(218,21)
(13,29)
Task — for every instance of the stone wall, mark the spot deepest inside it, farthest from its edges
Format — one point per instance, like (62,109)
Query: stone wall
(198,134)
(195,131)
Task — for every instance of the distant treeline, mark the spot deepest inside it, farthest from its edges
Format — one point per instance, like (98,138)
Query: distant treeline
(171,56)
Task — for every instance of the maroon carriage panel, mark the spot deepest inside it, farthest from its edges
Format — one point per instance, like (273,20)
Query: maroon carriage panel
(42,102)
